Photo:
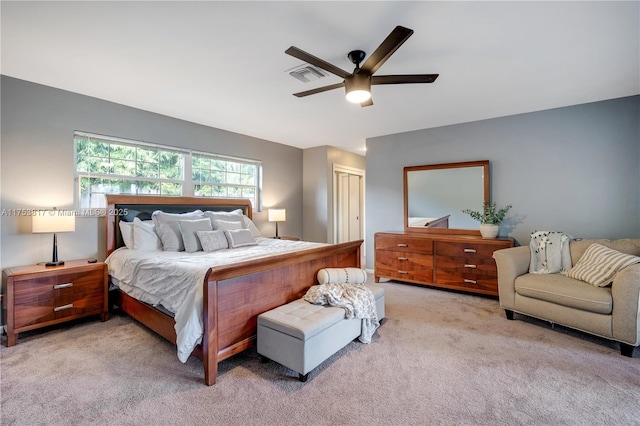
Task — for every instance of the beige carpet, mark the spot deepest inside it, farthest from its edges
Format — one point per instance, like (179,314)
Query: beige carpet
(441,358)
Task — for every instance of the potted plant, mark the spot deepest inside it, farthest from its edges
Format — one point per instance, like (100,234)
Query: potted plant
(489,218)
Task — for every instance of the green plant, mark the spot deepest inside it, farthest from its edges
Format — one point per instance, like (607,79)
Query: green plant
(489,215)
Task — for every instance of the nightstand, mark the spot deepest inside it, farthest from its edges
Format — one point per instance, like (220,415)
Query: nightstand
(289,238)
(36,296)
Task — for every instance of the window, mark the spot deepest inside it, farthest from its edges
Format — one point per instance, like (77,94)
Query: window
(106,165)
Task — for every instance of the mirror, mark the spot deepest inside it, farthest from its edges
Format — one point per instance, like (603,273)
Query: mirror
(435,195)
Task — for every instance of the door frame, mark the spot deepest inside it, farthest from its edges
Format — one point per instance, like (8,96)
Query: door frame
(339,168)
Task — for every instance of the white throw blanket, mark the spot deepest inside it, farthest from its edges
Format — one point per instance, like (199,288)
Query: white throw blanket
(356,300)
(550,252)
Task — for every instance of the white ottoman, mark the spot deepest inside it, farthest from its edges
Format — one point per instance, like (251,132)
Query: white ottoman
(300,335)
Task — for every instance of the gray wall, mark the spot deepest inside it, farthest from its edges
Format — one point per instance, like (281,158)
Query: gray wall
(573,169)
(37,164)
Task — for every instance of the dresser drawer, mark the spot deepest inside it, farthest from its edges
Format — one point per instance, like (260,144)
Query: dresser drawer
(404,266)
(472,280)
(403,243)
(42,288)
(467,249)
(474,265)
(39,311)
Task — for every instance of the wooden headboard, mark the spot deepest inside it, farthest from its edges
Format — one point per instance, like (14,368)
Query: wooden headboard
(128,207)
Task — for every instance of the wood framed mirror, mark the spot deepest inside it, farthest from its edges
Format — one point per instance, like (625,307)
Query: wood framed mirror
(436,194)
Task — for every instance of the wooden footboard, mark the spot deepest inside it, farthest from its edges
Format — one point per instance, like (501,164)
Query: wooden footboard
(235,295)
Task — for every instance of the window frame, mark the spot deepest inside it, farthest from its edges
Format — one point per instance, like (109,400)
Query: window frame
(187,181)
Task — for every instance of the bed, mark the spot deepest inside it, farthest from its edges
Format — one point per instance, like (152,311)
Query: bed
(233,295)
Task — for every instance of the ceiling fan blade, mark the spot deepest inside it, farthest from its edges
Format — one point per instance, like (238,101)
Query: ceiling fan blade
(393,41)
(313,60)
(319,90)
(404,78)
(367,103)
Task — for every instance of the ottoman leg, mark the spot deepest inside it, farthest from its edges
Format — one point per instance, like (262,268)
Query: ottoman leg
(303,377)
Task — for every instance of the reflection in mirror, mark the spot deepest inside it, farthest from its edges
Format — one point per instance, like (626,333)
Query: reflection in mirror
(435,196)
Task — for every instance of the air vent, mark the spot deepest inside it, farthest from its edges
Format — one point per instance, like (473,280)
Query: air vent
(307,73)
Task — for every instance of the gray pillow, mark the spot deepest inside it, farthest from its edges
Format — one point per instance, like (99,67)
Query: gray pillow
(188,229)
(212,240)
(233,216)
(240,238)
(168,229)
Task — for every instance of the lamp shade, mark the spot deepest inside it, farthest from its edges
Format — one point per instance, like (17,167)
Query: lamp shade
(277,215)
(358,88)
(53,221)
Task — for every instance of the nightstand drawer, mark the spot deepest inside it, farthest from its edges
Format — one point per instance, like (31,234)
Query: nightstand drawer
(39,311)
(36,289)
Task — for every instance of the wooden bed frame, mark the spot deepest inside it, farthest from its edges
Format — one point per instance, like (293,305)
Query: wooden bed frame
(234,294)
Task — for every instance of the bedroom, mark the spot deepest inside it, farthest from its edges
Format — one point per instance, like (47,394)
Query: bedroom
(590,145)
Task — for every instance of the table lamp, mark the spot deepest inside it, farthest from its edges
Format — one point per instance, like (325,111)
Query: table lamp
(277,215)
(53,221)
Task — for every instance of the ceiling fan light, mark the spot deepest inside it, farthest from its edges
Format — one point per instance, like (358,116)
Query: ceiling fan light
(358,96)
(358,88)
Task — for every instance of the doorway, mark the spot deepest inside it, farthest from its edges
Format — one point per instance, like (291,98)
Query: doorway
(348,197)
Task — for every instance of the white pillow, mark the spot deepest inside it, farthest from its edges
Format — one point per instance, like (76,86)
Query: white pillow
(252,227)
(188,229)
(599,265)
(212,240)
(144,236)
(342,276)
(126,230)
(224,225)
(233,216)
(240,238)
(168,229)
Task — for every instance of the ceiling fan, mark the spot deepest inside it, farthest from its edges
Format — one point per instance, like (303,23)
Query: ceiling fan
(358,83)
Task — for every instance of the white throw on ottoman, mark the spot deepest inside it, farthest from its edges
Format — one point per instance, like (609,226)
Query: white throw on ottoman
(300,335)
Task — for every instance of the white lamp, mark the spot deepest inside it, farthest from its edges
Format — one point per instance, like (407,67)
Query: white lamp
(53,221)
(277,215)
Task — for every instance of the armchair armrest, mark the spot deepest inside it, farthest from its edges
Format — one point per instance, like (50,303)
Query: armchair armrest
(625,292)
(511,263)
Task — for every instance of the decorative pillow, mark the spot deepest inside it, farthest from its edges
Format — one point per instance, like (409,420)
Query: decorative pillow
(126,230)
(342,276)
(144,236)
(233,216)
(599,265)
(550,253)
(252,227)
(212,240)
(224,225)
(168,229)
(240,238)
(188,229)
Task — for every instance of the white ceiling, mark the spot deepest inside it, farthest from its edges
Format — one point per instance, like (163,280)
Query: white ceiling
(222,64)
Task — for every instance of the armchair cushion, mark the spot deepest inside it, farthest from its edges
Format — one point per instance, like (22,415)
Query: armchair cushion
(558,289)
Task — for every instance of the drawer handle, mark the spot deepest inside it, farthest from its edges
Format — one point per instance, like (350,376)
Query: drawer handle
(469,266)
(59,286)
(403,258)
(403,245)
(470,281)
(402,272)
(469,250)
(63,307)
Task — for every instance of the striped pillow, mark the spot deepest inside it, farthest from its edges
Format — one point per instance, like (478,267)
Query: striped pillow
(599,265)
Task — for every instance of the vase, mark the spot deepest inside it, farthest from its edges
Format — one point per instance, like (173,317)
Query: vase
(489,230)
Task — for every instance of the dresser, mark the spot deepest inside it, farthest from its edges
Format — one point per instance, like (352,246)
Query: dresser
(459,262)
(36,296)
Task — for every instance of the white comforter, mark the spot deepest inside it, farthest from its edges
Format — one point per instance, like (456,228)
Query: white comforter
(175,280)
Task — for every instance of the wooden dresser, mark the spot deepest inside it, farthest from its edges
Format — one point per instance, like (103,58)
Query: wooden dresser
(458,262)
